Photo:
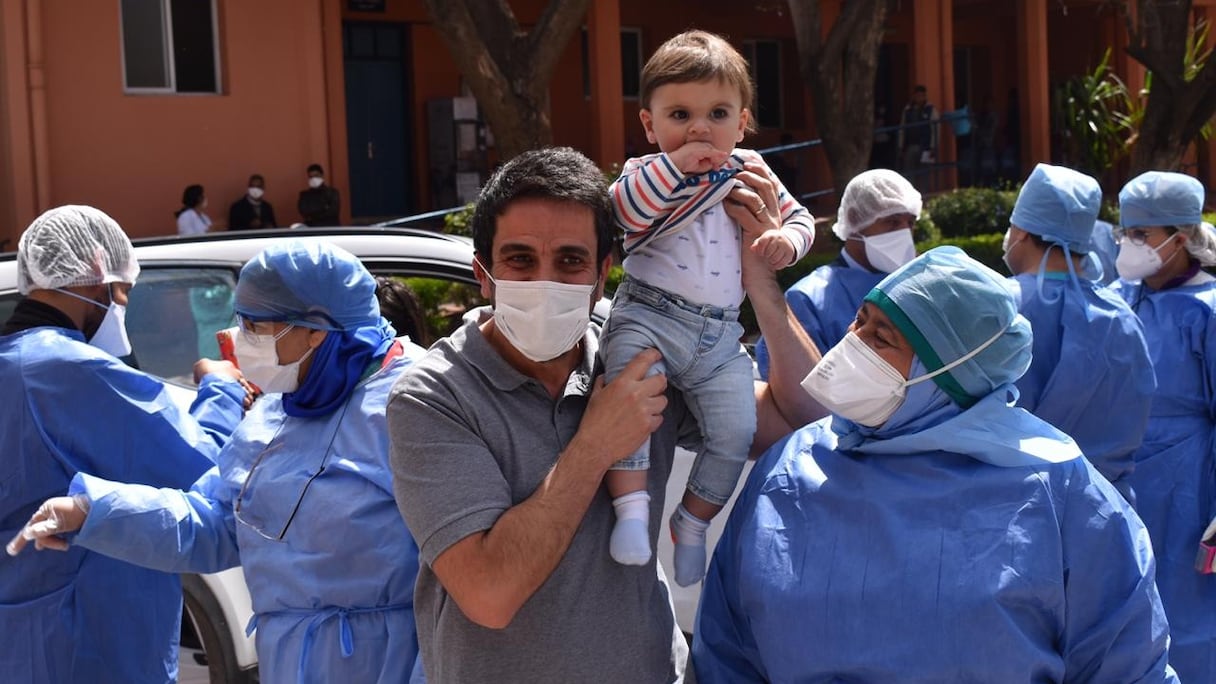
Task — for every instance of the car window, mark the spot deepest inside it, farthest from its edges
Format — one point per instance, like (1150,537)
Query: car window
(174,312)
(444,303)
(173,315)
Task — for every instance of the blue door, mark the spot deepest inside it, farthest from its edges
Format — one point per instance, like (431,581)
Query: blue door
(377,121)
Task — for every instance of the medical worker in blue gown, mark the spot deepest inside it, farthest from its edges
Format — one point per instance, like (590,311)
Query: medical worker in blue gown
(929,530)
(70,406)
(878,212)
(302,497)
(1089,361)
(1163,245)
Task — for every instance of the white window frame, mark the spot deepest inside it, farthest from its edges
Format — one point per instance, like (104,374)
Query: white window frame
(169,65)
(752,66)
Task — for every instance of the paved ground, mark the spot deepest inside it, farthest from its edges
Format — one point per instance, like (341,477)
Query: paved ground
(188,672)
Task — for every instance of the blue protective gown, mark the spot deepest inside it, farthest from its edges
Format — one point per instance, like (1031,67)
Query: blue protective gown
(332,601)
(1175,475)
(826,302)
(1089,362)
(70,408)
(918,564)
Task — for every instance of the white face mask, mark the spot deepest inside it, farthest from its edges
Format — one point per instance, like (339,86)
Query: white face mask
(1006,244)
(888,251)
(255,193)
(854,382)
(111,335)
(1137,262)
(259,361)
(541,318)
(316,182)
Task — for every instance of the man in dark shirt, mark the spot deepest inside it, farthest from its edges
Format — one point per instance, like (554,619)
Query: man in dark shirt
(918,139)
(319,205)
(251,211)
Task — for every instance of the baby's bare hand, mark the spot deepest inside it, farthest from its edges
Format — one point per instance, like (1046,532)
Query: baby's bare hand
(697,157)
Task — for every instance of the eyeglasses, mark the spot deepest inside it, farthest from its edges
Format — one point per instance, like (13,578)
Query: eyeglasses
(1136,236)
(250,335)
(266,504)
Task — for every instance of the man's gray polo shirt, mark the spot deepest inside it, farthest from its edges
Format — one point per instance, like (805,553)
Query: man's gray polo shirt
(471,437)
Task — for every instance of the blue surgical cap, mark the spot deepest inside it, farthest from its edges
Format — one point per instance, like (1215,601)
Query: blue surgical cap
(1161,198)
(947,305)
(309,284)
(1059,205)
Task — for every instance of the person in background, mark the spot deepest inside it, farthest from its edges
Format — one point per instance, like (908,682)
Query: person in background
(72,407)
(877,214)
(1089,352)
(320,204)
(191,219)
(930,530)
(499,460)
(302,496)
(917,138)
(400,306)
(683,285)
(1163,245)
(252,211)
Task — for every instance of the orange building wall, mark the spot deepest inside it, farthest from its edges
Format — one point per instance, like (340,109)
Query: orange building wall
(133,155)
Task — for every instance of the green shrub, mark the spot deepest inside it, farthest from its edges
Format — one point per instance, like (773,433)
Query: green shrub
(971,211)
(457,222)
(985,249)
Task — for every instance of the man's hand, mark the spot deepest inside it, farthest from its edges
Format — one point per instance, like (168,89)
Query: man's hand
(55,517)
(697,157)
(621,415)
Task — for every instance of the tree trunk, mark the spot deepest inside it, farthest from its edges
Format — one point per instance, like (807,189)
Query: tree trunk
(1177,109)
(840,72)
(508,69)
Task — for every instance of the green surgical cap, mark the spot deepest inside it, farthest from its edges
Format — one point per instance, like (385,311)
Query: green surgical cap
(947,305)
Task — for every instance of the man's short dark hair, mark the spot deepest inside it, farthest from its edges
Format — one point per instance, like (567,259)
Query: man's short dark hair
(256,177)
(317,168)
(919,89)
(557,173)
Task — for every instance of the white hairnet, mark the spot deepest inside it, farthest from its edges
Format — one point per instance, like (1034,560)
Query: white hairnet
(874,195)
(1201,242)
(74,245)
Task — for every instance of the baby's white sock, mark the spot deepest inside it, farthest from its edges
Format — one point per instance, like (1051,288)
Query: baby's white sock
(688,533)
(630,542)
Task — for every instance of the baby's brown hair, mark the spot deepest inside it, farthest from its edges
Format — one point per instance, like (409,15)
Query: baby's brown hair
(695,56)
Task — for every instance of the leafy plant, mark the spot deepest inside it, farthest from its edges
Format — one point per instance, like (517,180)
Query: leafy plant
(1097,118)
(970,211)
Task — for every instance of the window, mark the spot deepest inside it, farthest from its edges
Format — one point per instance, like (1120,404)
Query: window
(764,57)
(631,63)
(169,46)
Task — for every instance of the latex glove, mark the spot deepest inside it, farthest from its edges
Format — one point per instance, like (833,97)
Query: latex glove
(54,518)
(1205,561)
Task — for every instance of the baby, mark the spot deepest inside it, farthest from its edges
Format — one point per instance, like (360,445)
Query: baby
(683,282)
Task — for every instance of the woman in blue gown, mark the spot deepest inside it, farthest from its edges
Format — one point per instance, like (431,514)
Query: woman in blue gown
(302,496)
(1163,245)
(930,531)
